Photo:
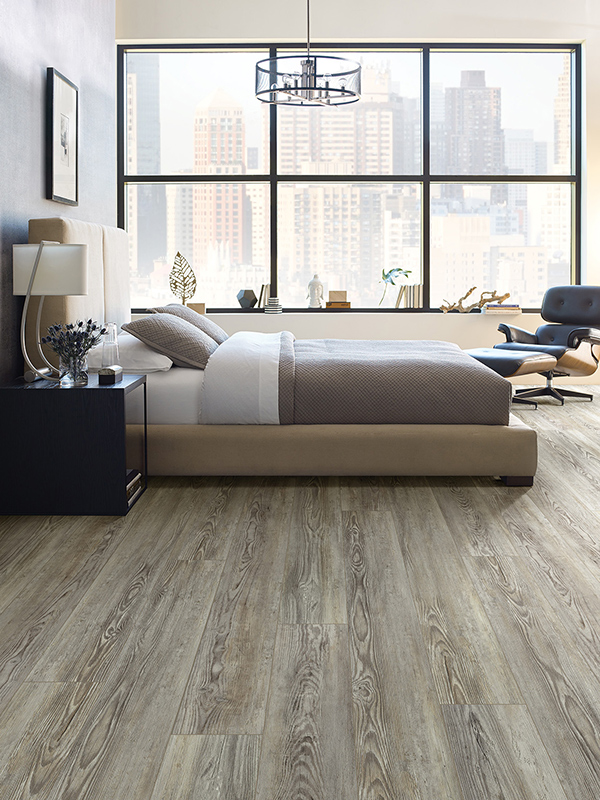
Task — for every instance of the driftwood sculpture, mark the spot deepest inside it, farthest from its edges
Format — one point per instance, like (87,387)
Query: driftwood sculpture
(486,297)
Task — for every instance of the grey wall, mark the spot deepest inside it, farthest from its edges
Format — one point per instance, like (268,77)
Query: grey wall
(78,39)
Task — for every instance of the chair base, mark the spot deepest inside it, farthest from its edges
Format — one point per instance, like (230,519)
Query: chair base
(550,391)
(523,401)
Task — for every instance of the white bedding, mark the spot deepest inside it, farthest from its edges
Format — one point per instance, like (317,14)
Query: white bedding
(241,381)
(173,398)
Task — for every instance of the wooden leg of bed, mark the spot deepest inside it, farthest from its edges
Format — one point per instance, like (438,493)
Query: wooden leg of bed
(517,480)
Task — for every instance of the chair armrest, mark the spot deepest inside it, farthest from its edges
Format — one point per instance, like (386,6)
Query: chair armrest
(591,335)
(519,335)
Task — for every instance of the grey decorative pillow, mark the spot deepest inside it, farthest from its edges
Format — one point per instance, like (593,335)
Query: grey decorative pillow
(183,343)
(191,316)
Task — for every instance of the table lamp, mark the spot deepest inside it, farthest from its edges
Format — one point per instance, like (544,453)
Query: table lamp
(49,268)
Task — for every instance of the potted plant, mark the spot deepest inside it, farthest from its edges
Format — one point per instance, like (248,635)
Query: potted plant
(389,278)
(72,342)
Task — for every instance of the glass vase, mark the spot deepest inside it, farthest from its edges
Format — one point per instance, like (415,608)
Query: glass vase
(73,371)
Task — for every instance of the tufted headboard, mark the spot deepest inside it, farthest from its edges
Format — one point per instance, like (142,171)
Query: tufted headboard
(108,274)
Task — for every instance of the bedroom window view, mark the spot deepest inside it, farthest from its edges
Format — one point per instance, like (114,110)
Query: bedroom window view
(510,236)
(349,233)
(497,169)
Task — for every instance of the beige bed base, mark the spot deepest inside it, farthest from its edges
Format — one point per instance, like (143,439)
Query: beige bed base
(508,451)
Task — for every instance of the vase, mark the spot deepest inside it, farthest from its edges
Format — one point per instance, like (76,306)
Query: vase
(73,370)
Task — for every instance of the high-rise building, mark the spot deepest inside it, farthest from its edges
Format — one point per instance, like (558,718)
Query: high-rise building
(562,119)
(143,158)
(219,149)
(378,136)
(180,221)
(339,230)
(474,140)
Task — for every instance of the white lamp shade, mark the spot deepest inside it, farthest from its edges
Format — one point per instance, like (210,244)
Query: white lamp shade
(62,269)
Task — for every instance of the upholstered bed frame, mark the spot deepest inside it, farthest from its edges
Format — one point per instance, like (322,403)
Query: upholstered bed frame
(509,451)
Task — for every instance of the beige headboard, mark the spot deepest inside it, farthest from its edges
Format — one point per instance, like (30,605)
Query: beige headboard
(108,275)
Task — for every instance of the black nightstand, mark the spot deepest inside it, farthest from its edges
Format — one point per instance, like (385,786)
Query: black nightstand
(63,449)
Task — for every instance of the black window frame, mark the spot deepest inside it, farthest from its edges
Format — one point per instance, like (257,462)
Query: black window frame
(425,179)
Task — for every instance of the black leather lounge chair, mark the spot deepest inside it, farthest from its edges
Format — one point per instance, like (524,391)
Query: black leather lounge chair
(573,338)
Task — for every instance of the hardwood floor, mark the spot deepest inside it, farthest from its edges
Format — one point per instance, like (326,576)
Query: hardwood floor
(313,639)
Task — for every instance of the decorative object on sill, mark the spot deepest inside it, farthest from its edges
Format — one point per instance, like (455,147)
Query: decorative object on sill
(246,298)
(273,306)
(413,296)
(72,343)
(486,297)
(337,304)
(264,294)
(110,345)
(389,278)
(53,269)
(305,80)
(502,308)
(338,296)
(315,292)
(199,308)
(107,376)
(182,280)
(62,138)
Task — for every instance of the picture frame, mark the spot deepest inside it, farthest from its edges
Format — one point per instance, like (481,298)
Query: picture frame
(62,139)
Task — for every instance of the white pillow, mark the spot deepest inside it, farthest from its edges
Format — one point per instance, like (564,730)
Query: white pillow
(134,356)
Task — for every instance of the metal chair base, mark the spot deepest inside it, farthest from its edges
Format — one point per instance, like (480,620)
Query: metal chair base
(550,391)
(523,401)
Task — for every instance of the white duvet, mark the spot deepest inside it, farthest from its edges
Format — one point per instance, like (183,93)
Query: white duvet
(241,381)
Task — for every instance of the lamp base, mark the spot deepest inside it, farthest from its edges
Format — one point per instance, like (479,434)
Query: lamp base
(42,374)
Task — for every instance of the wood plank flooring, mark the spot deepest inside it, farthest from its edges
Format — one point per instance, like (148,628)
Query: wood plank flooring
(313,638)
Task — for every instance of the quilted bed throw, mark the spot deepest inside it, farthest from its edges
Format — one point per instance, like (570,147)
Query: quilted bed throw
(273,379)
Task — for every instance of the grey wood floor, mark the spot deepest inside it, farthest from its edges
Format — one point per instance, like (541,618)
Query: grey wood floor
(312,639)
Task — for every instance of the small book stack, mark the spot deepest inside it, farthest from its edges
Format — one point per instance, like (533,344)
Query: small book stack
(413,296)
(337,299)
(273,306)
(264,294)
(502,308)
(134,486)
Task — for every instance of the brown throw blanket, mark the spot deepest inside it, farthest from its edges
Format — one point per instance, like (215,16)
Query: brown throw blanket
(341,381)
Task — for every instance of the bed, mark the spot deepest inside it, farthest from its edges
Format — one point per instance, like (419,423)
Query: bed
(181,446)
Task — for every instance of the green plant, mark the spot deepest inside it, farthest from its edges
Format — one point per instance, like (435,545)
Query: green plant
(389,278)
(182,280)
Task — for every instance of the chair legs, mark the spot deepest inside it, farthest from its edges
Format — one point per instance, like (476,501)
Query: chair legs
(550,391)
(523,401)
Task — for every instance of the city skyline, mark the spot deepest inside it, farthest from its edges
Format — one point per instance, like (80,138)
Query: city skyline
(350,232)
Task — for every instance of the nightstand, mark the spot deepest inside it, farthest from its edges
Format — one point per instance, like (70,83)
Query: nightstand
(63,449)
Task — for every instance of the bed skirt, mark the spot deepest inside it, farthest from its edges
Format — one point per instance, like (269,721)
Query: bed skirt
(503,450)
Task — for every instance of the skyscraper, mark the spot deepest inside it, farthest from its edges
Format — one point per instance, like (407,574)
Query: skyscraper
(562,119)
(143,158)
(219,149)
(474,140)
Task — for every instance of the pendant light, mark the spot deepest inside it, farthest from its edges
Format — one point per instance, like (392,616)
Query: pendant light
(308,80)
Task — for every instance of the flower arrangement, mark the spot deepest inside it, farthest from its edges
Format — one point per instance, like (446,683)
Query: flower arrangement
(72,343)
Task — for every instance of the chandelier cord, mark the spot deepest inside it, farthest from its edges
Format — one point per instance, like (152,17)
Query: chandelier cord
(308,28)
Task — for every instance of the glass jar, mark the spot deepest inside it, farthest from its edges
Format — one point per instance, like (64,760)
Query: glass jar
(73,370)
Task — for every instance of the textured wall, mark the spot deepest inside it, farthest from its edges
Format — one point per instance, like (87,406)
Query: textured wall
(78,39)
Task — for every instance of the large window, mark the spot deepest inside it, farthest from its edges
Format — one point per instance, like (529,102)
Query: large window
(460,165)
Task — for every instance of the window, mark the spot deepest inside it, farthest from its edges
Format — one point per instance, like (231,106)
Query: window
(461,165)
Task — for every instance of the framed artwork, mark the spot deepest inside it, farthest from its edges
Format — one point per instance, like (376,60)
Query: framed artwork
(62,139)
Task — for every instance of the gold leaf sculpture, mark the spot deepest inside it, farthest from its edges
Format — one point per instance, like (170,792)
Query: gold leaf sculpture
(182,280)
